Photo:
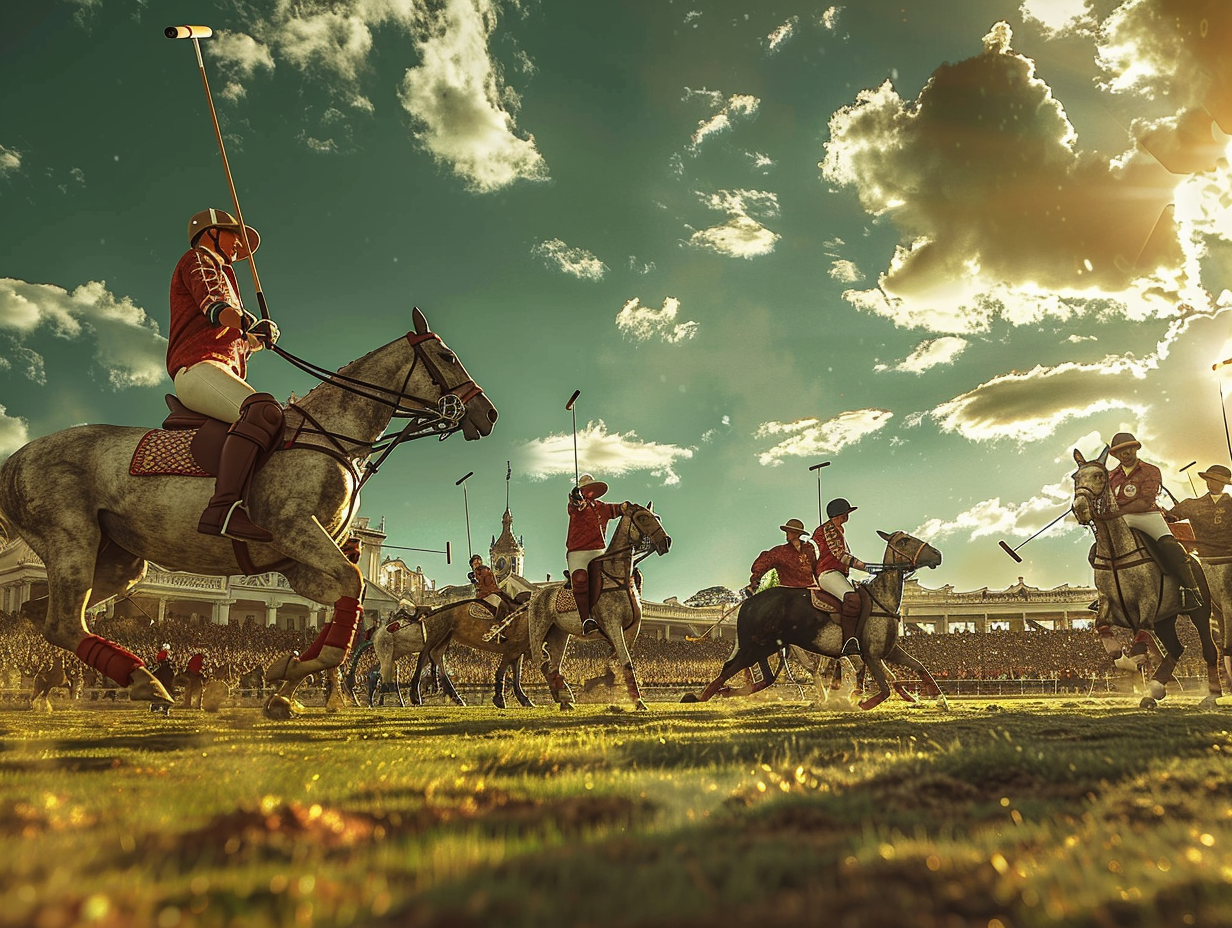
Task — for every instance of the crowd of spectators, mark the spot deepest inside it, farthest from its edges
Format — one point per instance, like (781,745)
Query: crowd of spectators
(1070,659)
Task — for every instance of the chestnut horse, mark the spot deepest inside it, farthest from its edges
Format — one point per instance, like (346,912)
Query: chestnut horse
(72,499)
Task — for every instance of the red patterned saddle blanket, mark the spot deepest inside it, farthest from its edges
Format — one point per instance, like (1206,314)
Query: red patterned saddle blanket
(166,453)
(565,601)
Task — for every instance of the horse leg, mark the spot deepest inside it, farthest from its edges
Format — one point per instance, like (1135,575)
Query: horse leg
(621,647)
(931,689)
(498,697)
(555,644)
(741,659)
(1210,651)
(517,684)
(876,667)
(325,575)
(85,570)
(438,661)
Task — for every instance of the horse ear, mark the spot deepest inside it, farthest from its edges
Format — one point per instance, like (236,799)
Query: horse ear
(1078,458)
(420,320)
(884,536)
(650,505)
(1103,456)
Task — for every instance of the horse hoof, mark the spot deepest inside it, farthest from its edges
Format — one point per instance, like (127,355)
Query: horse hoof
(873,701)
(1156,689)
(1147,703)
(1210,702)
(689,697)
(641,706)
(1125,662)
(277,671)
(566,707)
(279,709)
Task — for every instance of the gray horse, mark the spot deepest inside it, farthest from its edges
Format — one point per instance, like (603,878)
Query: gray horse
(618,610)
(72,499)
(1134,592)
(782,616)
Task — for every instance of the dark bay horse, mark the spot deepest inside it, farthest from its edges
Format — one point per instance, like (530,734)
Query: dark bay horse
(1134,592)
(781,616)
(71,497)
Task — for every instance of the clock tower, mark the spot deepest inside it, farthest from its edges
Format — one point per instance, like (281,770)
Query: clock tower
(507,555)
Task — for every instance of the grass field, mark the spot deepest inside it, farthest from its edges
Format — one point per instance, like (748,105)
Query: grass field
(1009,814)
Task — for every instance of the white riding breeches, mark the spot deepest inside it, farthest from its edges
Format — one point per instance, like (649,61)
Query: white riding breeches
(1149,523)
(835,582)
(580,560)
(211,390)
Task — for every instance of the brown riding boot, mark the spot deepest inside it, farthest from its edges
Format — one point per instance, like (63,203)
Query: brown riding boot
(581,595)
(257,430)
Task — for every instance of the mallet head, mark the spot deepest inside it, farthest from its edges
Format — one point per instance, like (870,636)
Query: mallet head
(188,32)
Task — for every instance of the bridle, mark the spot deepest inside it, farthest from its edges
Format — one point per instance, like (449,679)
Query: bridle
(1096,499)
(909,564)
(441,417)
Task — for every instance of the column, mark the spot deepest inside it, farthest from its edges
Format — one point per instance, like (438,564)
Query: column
(220,612)
(162,610)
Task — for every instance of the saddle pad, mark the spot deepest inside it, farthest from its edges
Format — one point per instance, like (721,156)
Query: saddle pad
(480,611)
(822,601)
(565,601)
(392,627)
(163,453)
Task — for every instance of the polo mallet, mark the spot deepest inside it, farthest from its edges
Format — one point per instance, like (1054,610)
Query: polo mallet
(569,406)
(818,467)
(447,552)
(461,482)
(196,33)
(1190,476)
(1013,552)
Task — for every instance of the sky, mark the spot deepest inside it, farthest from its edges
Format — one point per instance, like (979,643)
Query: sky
(938,244)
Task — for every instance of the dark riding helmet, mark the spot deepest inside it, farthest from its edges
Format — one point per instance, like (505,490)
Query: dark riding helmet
(839,507)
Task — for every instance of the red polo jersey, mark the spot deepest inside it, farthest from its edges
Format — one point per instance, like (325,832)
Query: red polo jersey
(835,555)
(588,524)
(795,568)
(200,281)
(1140,483)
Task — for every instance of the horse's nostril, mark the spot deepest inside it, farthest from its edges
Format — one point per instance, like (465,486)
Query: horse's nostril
(492,415)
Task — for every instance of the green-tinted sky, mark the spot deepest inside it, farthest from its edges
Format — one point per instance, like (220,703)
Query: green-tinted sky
(936,251)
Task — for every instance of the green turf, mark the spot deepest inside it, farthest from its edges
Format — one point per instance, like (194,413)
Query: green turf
(1038,812)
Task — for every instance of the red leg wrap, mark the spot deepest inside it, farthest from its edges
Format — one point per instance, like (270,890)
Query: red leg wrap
(109,659)
(339,631)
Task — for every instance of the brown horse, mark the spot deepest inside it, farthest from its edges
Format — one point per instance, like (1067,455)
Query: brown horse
(1134,592)
(54,677)
(72,499)
(618,610)
(470,623)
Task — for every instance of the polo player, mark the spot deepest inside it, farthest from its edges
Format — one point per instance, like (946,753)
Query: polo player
(1210,516)
(834,564)
(588,519)
(794,561)
(208,345)
(1135,485)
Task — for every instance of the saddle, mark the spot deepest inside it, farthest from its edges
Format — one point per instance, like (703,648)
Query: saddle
(206,445)
(852,606)
(566,602)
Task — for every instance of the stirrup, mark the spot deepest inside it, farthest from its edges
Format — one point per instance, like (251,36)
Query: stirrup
(589,625)
(851,646)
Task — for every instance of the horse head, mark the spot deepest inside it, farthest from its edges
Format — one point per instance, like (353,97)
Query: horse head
(457,396)
(908,552)
(1091,493)
(645,528)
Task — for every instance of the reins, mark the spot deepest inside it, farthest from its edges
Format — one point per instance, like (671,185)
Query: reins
(441,417)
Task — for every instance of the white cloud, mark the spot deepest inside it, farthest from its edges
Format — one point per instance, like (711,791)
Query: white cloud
(1057,16)
(602,453)
(928,354)
(811,437)
(780,35)
(642,323)
(641,268)
(461,108)
(576,262)
(13,433)
(10,161)
(722,428)
(738,108)
(845,271)
(999,210)
(128,347)
(829,18)
(742,236)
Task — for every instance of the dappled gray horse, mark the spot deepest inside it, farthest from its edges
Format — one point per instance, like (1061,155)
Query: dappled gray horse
(1134,592)
(553,614)
(72,499)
